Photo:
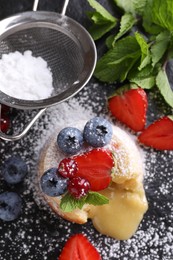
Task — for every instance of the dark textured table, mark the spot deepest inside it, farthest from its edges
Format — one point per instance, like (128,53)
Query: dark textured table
(38,234)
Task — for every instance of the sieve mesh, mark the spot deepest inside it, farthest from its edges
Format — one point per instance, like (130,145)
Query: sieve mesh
(63,54)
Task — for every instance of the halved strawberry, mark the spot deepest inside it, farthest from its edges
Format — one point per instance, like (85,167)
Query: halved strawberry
(95,166)
(78,247)
(159,134)
(129,106)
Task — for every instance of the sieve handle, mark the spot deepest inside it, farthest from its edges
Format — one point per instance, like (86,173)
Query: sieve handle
(26,129)
(35,5)
(66,2)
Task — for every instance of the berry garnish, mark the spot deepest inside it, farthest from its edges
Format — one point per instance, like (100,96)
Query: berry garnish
(78,187)
(95,166)
(129,106)
(4,123)
(159,134)
(98,132)
(70,140)
(52,183)
(10,206)
(14,170)
(78,247)
(67,168)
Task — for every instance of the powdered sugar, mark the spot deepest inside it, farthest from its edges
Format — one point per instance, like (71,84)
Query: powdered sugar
(39,226)
(24,76)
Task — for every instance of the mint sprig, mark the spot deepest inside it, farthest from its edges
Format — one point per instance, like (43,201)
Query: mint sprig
(139,59)
(69,203)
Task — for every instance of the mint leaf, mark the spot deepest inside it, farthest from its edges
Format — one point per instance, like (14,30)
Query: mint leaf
(158,15)
(103,20)
(97,31)
(96,199)
(126,23)
(126,5)
(115,64)
(139,6)
(145,53)
(164,87)
(69,203)
(109,41)
(148,24)
(101,10)
(132,6)
(160,46)
(146,78)
(145,83)
(163,13)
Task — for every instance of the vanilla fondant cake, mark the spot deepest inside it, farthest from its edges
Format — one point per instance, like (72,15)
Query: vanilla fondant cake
(121,216)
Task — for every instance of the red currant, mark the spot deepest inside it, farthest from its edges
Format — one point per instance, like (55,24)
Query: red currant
(78,187)
(68,168)
(4,123)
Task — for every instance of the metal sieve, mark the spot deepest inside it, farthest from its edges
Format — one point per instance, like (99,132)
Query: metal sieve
(62,42)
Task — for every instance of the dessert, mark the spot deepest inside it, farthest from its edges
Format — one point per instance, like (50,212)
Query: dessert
(119,165)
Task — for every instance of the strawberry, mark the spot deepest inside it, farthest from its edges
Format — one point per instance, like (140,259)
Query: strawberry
(78,247)
(159,134)
(129,106)
(95,166)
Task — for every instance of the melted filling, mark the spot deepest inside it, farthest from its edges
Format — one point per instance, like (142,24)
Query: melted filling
(121,217)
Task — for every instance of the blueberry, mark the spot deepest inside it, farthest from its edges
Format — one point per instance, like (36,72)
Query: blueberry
(10,206)
(70,140)
(14,170)
(98,132)
(52,183)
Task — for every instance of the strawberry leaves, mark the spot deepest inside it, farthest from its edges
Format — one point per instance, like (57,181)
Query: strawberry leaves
(69,203)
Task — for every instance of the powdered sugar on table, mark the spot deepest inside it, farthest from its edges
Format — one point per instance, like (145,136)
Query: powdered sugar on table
(24,76)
